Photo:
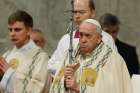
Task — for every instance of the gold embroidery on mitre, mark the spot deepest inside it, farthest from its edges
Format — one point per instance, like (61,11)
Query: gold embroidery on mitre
(89,76)
(14,63)
(59,76)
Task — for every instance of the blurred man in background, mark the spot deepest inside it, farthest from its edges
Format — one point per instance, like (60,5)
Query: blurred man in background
(38,37)
(110,23)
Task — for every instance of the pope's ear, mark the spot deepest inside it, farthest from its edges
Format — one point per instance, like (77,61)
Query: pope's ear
(99,40)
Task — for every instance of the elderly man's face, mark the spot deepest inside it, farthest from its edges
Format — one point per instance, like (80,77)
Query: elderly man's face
(38,39)
(89,38)
(82,11)
(18,33)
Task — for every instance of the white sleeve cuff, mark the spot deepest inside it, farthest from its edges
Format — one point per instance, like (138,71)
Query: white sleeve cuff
(6,77)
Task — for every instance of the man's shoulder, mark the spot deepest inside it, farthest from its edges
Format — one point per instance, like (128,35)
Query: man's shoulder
(67,35)
(108,40)
(106,35)
(41,51)
(37,51)
(64,38)
(124,45)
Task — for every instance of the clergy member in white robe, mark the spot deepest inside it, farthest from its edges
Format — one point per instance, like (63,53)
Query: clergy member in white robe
(24,67)
(27,69)
(96,67)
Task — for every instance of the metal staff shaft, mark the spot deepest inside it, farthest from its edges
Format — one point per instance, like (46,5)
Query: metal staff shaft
(71,38)
(71,35)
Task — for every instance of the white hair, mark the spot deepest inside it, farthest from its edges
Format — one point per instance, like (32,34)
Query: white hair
(95,22)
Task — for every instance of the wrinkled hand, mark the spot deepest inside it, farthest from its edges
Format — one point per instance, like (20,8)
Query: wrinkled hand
(70,80)
(3,65)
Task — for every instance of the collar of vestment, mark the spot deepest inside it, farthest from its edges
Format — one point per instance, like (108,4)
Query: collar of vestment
(98,56)
(75,34)
(26,47)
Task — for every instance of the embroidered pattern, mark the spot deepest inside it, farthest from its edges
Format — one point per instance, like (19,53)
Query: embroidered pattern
(29,75)
(59,76)
(14,63)
(89,75)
